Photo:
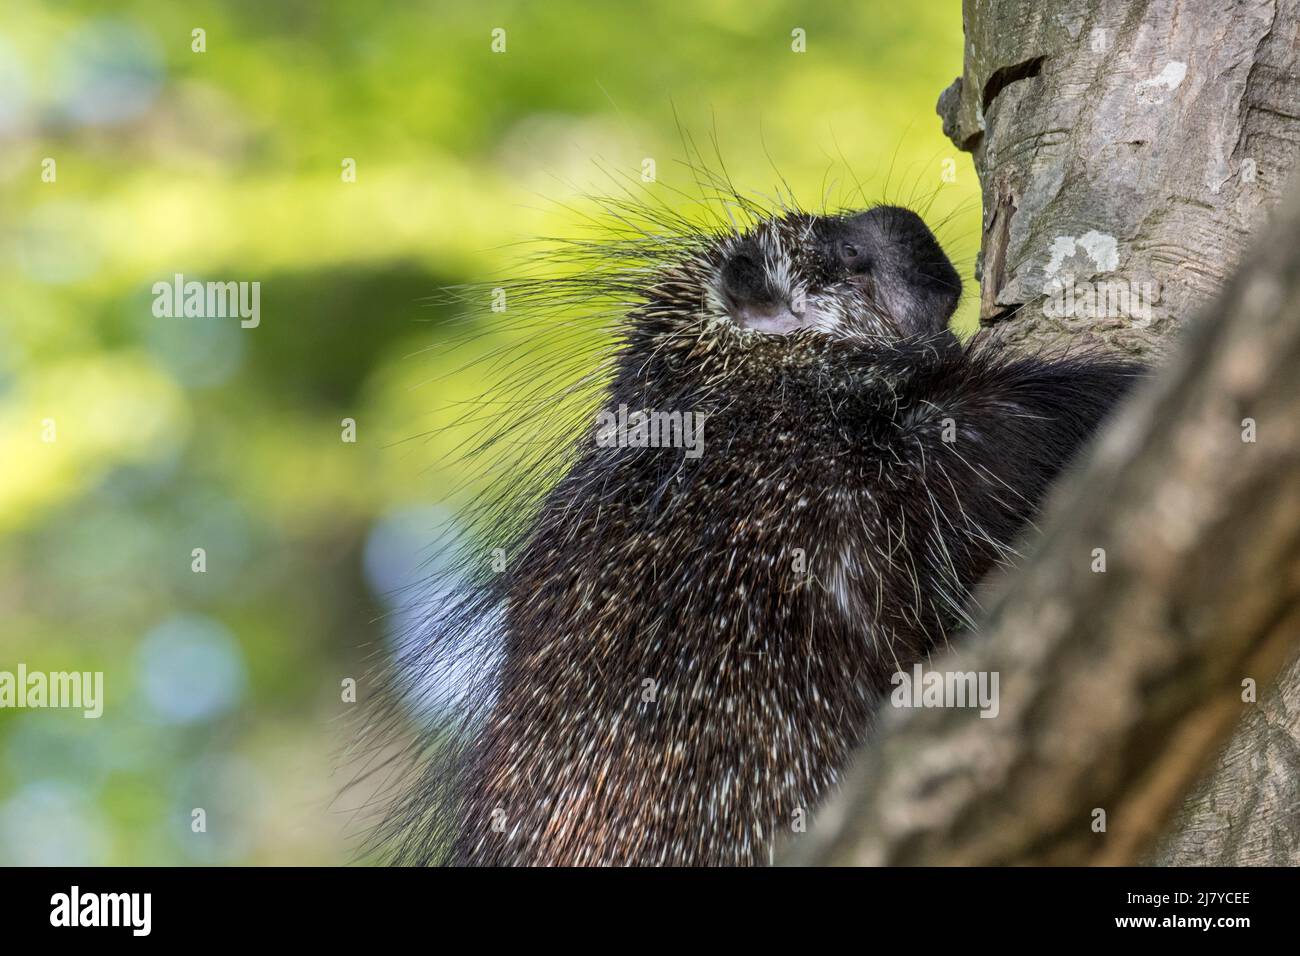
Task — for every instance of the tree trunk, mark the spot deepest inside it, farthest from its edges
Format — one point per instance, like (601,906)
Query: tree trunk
(1127,153)
(1139,141)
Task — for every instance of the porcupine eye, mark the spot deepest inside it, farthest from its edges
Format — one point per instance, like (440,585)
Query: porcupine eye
(854,259)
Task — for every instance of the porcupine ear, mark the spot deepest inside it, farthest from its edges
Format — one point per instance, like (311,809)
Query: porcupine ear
(913,278)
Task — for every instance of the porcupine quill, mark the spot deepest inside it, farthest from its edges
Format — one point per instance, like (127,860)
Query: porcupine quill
(677,646)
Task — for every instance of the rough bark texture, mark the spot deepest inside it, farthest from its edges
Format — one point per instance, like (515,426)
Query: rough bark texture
(1121,139)
(1130,146)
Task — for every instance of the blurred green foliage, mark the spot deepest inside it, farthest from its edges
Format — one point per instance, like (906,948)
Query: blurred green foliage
(223,688)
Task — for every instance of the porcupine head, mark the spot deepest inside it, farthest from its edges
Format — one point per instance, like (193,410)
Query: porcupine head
(793,478)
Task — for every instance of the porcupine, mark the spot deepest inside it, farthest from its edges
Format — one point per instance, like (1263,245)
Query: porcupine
(688,645)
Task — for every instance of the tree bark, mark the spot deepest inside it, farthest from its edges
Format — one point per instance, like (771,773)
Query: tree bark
(1131,148)
(1116,139)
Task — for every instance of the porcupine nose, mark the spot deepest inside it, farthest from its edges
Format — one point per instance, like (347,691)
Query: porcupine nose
(754,303)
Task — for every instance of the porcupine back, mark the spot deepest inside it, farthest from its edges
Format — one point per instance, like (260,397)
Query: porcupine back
(680,652)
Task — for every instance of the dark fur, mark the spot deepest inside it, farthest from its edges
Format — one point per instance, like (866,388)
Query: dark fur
(641,564)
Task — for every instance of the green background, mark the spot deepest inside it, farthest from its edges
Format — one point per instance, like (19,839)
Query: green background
(223,688)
